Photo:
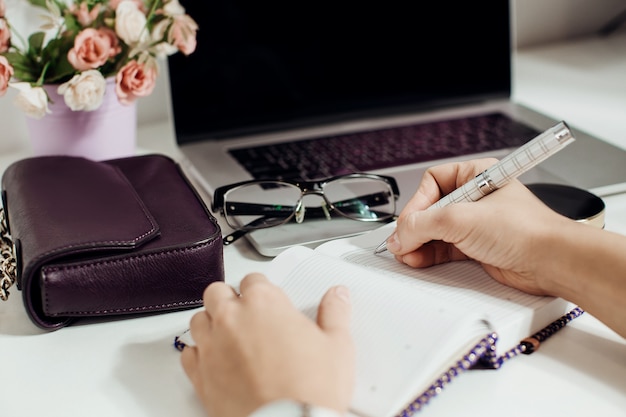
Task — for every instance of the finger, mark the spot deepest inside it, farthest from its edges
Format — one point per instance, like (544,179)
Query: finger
(189,361)
(437,181)
(335,310)
(250,280)
(432,253)
(441,180)
(200,328)
(427,193)
(421,227)
(216,293)
(412,231)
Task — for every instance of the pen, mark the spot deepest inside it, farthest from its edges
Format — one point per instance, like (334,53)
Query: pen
(512,166)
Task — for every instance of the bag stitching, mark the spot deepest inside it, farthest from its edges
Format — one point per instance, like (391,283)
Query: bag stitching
(120,261)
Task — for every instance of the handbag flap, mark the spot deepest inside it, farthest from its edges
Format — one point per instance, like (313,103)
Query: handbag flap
(60,205)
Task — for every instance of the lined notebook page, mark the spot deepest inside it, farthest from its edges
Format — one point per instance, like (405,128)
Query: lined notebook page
(513,313)
(404,337)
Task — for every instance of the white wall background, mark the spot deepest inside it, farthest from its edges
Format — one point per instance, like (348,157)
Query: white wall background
(537,22)
(544,21)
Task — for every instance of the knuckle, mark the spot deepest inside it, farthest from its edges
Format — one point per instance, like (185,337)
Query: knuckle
(224,314)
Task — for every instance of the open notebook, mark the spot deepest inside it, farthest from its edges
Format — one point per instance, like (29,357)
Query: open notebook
(411,326)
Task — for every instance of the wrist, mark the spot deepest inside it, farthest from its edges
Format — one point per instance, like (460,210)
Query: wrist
(572,256)
(561,256)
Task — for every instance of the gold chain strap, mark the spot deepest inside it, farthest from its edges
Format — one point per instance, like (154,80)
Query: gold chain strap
(8,263)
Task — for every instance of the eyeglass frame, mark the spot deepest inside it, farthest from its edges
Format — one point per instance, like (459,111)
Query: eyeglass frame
(307,187)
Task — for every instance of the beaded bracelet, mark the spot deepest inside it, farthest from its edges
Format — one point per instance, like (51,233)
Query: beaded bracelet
(484,356)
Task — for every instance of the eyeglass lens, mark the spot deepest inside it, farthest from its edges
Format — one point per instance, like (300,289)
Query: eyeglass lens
(271,203)
(361,198)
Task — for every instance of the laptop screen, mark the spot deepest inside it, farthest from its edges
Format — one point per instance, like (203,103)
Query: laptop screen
(262,66)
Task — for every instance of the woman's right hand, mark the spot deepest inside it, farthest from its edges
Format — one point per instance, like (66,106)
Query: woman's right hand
(518,240)
(503,231)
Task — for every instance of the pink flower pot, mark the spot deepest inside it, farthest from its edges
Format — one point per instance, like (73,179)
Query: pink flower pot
(106,133)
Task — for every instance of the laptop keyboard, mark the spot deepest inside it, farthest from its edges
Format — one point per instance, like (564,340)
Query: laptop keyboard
(390,147)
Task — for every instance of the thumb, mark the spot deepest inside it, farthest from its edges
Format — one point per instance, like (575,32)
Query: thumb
(335,310)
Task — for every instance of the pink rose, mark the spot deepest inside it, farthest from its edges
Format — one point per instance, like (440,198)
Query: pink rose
(181,29)
(6,72)
(160,39)
(5,35)
(83,15)
(183,33)
(92,48)
(135,80)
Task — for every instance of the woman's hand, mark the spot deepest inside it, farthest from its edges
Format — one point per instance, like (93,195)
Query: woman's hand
(256,348)
(503,231)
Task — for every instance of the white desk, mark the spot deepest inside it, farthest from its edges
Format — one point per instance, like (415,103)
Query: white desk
(129,367)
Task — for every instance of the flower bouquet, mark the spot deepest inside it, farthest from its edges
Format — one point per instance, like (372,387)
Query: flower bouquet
(84,43)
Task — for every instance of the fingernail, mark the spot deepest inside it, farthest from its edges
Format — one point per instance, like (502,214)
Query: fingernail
(393,244)
(343,293)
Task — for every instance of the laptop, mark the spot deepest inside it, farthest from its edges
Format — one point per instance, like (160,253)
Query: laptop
(344,77)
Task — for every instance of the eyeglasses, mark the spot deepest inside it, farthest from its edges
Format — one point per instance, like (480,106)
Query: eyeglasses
(259,204)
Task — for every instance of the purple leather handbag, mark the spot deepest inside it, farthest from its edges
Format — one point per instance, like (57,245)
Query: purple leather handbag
(110,238)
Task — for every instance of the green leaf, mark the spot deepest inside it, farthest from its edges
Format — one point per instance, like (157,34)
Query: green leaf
(71,23)
(25,69)
(35,43)
(60,69)
(38,3)
(53,49)
(16,58)
(62,72)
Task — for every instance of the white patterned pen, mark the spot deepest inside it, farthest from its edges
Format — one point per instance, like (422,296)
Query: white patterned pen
(512,166)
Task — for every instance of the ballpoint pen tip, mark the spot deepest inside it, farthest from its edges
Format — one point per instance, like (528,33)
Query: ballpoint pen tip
(380,248)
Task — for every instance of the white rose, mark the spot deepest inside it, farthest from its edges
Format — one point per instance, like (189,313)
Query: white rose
(173,8)
(31,100)
(130,23)
(84,91)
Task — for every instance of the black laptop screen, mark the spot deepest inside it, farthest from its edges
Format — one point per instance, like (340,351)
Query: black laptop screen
(266,65)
